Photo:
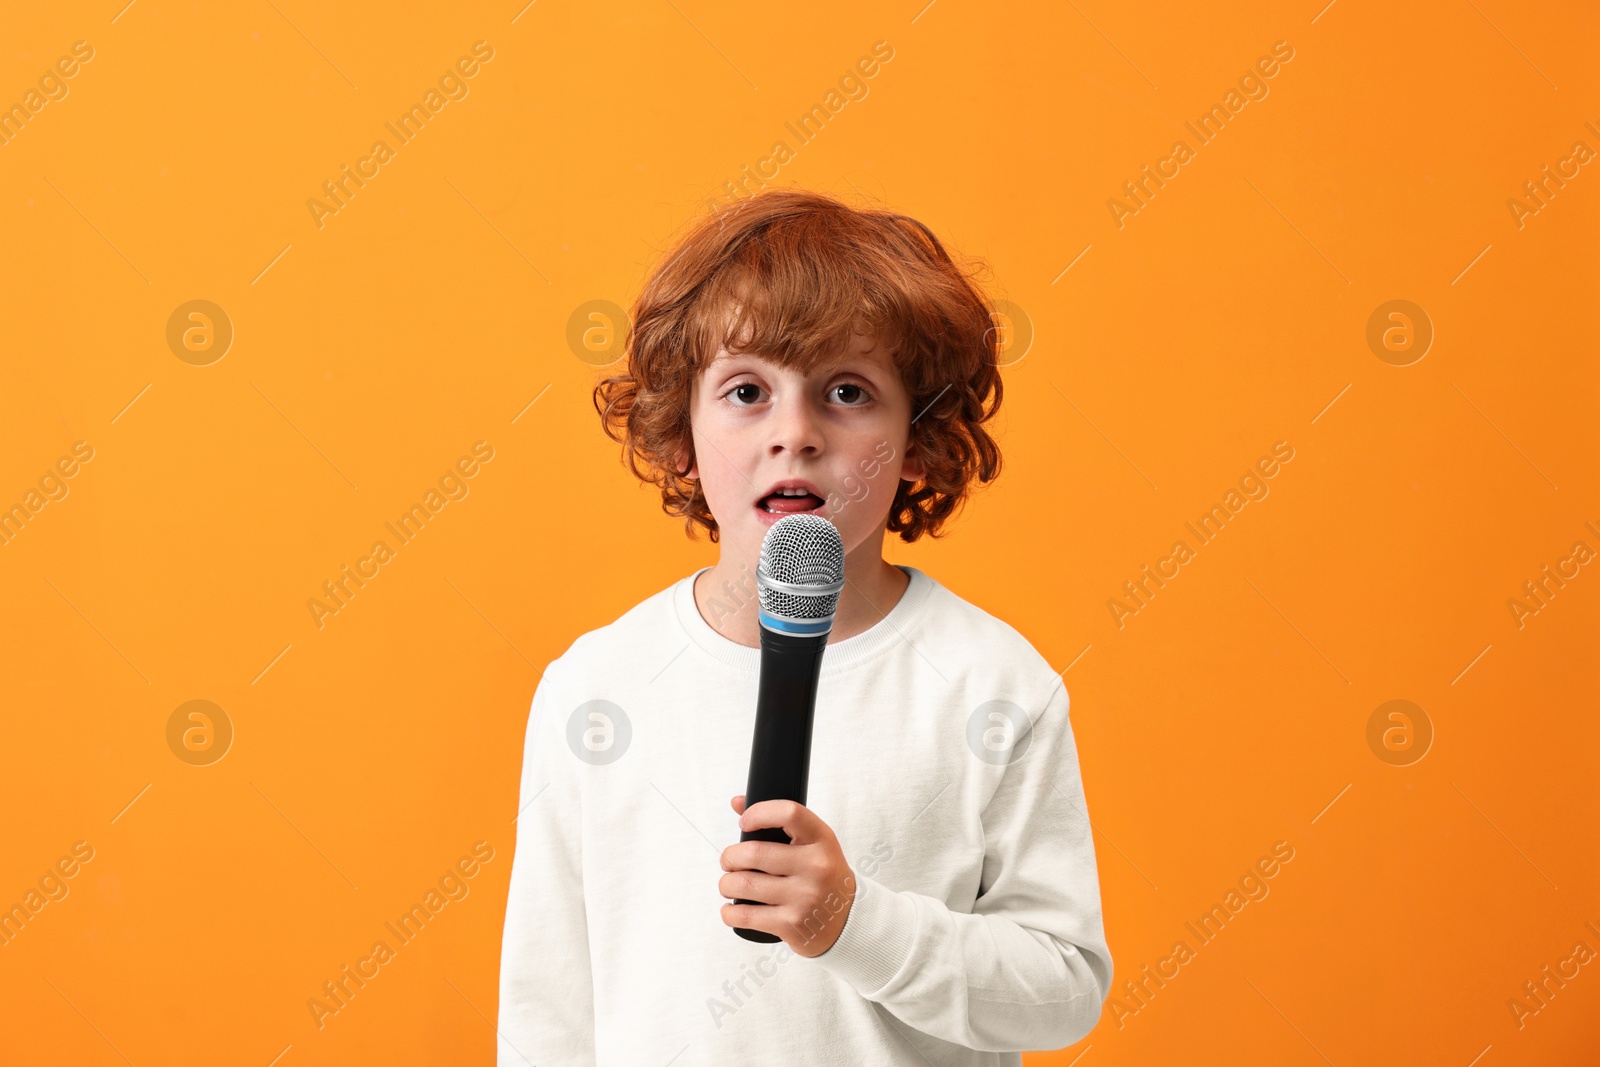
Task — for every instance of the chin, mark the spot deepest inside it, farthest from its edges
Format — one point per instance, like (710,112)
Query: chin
(766,519)
(849,532)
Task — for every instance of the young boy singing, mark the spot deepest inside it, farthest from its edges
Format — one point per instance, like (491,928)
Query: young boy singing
(938,902)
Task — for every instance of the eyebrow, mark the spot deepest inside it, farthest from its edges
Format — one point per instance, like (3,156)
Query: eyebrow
(853,364)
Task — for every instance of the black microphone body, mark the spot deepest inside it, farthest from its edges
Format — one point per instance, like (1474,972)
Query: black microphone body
(798,580)
(780,750)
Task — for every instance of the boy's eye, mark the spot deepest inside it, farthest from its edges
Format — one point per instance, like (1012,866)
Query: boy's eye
(747,393)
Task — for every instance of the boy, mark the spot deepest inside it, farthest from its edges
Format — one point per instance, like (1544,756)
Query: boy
(938,902)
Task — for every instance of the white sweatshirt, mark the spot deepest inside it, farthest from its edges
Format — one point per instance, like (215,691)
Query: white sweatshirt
(976,929)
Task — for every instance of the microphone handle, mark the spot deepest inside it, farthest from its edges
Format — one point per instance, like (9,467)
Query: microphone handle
(780,750)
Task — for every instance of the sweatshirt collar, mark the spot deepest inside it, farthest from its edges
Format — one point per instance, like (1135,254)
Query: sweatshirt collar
(887,632)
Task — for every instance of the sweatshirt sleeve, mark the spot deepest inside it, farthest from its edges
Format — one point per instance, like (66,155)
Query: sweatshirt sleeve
(1028,968)
(546,995)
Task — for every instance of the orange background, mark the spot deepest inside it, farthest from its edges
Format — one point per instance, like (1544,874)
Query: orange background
(1228,314)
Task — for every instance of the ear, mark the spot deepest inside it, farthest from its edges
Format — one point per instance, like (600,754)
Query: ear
(678,460)
(911,468)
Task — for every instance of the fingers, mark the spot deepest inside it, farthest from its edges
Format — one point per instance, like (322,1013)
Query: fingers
(752,917)
(793,818)
(768,856)
(753,886)
(738,804)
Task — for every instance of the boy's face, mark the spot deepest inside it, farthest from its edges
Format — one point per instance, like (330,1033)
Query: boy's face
(842,430)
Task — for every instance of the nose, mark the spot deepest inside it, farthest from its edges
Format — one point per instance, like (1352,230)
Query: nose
(795,426)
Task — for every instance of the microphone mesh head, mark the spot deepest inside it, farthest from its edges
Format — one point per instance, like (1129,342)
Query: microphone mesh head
(801,550)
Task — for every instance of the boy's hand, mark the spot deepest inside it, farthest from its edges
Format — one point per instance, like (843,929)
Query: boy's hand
(806,888)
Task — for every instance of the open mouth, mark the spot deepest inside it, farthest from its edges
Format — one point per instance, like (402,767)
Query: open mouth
(789,503)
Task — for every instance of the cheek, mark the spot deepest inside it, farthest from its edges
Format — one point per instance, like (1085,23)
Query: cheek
(721,471)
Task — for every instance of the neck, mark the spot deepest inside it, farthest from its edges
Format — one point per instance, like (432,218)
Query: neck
(727,598)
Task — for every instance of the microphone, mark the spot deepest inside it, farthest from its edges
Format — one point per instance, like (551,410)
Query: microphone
(797,582)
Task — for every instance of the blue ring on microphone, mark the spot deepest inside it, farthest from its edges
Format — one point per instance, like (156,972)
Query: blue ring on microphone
(797,628)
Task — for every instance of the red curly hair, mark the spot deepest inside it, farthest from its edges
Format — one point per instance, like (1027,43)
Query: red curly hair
(804,273)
